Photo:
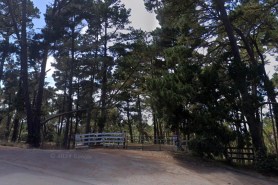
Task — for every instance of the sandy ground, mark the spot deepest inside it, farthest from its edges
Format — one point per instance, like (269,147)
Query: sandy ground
(114,167)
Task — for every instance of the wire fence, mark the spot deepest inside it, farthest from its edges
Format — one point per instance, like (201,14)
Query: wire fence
(151,143)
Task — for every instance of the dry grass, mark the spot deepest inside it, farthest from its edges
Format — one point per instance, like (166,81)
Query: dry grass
(11,144)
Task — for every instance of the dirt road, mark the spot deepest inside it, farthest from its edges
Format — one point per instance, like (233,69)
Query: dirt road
(113,167)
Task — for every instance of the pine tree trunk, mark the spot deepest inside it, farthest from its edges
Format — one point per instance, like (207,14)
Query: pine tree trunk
(160,131)
(70,133)
(39,98)
(4,56)
(140,126)
(239,77)
(155,131)
(20,131)
(129,122)
(268,86)
(62,118)
(8,125)
(77,115)
(32,135)
(70,89)
(59,127)
(88,121)
(15,129)
(103,117)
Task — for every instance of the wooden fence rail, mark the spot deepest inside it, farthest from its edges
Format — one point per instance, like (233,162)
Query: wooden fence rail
(240,154)
(104,139)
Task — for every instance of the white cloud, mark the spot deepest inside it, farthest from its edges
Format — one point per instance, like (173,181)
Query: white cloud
(270,67)
(83,30)
(50,69)
(140,18)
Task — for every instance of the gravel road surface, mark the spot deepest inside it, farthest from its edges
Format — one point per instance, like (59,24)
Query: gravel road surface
(114,167)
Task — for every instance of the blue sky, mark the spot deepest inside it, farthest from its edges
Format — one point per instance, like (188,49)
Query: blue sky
(140,18)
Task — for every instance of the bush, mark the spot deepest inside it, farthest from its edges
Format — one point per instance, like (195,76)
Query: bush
(206,147)
(58,140)
(268,164)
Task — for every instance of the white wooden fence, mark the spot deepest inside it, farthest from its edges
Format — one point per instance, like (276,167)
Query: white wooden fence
(104,139)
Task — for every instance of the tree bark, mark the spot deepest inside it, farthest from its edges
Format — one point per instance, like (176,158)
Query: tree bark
(140,124)
(20,131)
(268,85)
(4,56)
(103,117)
(9,118)
(70,88)
(77,115)
(39,98)
(129,122)
(32,134)
(238,75)
(155,130)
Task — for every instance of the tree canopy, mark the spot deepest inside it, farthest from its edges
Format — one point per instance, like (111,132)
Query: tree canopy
(201,74)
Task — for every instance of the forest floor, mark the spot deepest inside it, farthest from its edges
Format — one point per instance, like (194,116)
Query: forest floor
(19,166)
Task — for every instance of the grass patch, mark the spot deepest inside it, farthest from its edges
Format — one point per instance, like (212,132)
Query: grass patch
(11,144)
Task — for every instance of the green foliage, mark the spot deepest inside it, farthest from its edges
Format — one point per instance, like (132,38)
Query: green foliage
(185,72)
(206,147)
(269,134)
(2,131)
(275,79)
(267,165)
(58,140)
(49,133)
(211,138)
(207,80)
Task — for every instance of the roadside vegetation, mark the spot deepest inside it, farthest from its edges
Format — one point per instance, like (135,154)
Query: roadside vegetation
(200,76)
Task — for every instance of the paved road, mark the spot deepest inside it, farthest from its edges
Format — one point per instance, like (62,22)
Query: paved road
(112,167)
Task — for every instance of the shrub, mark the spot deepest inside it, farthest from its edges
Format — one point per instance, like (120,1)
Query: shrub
(206,147)
(268,164)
